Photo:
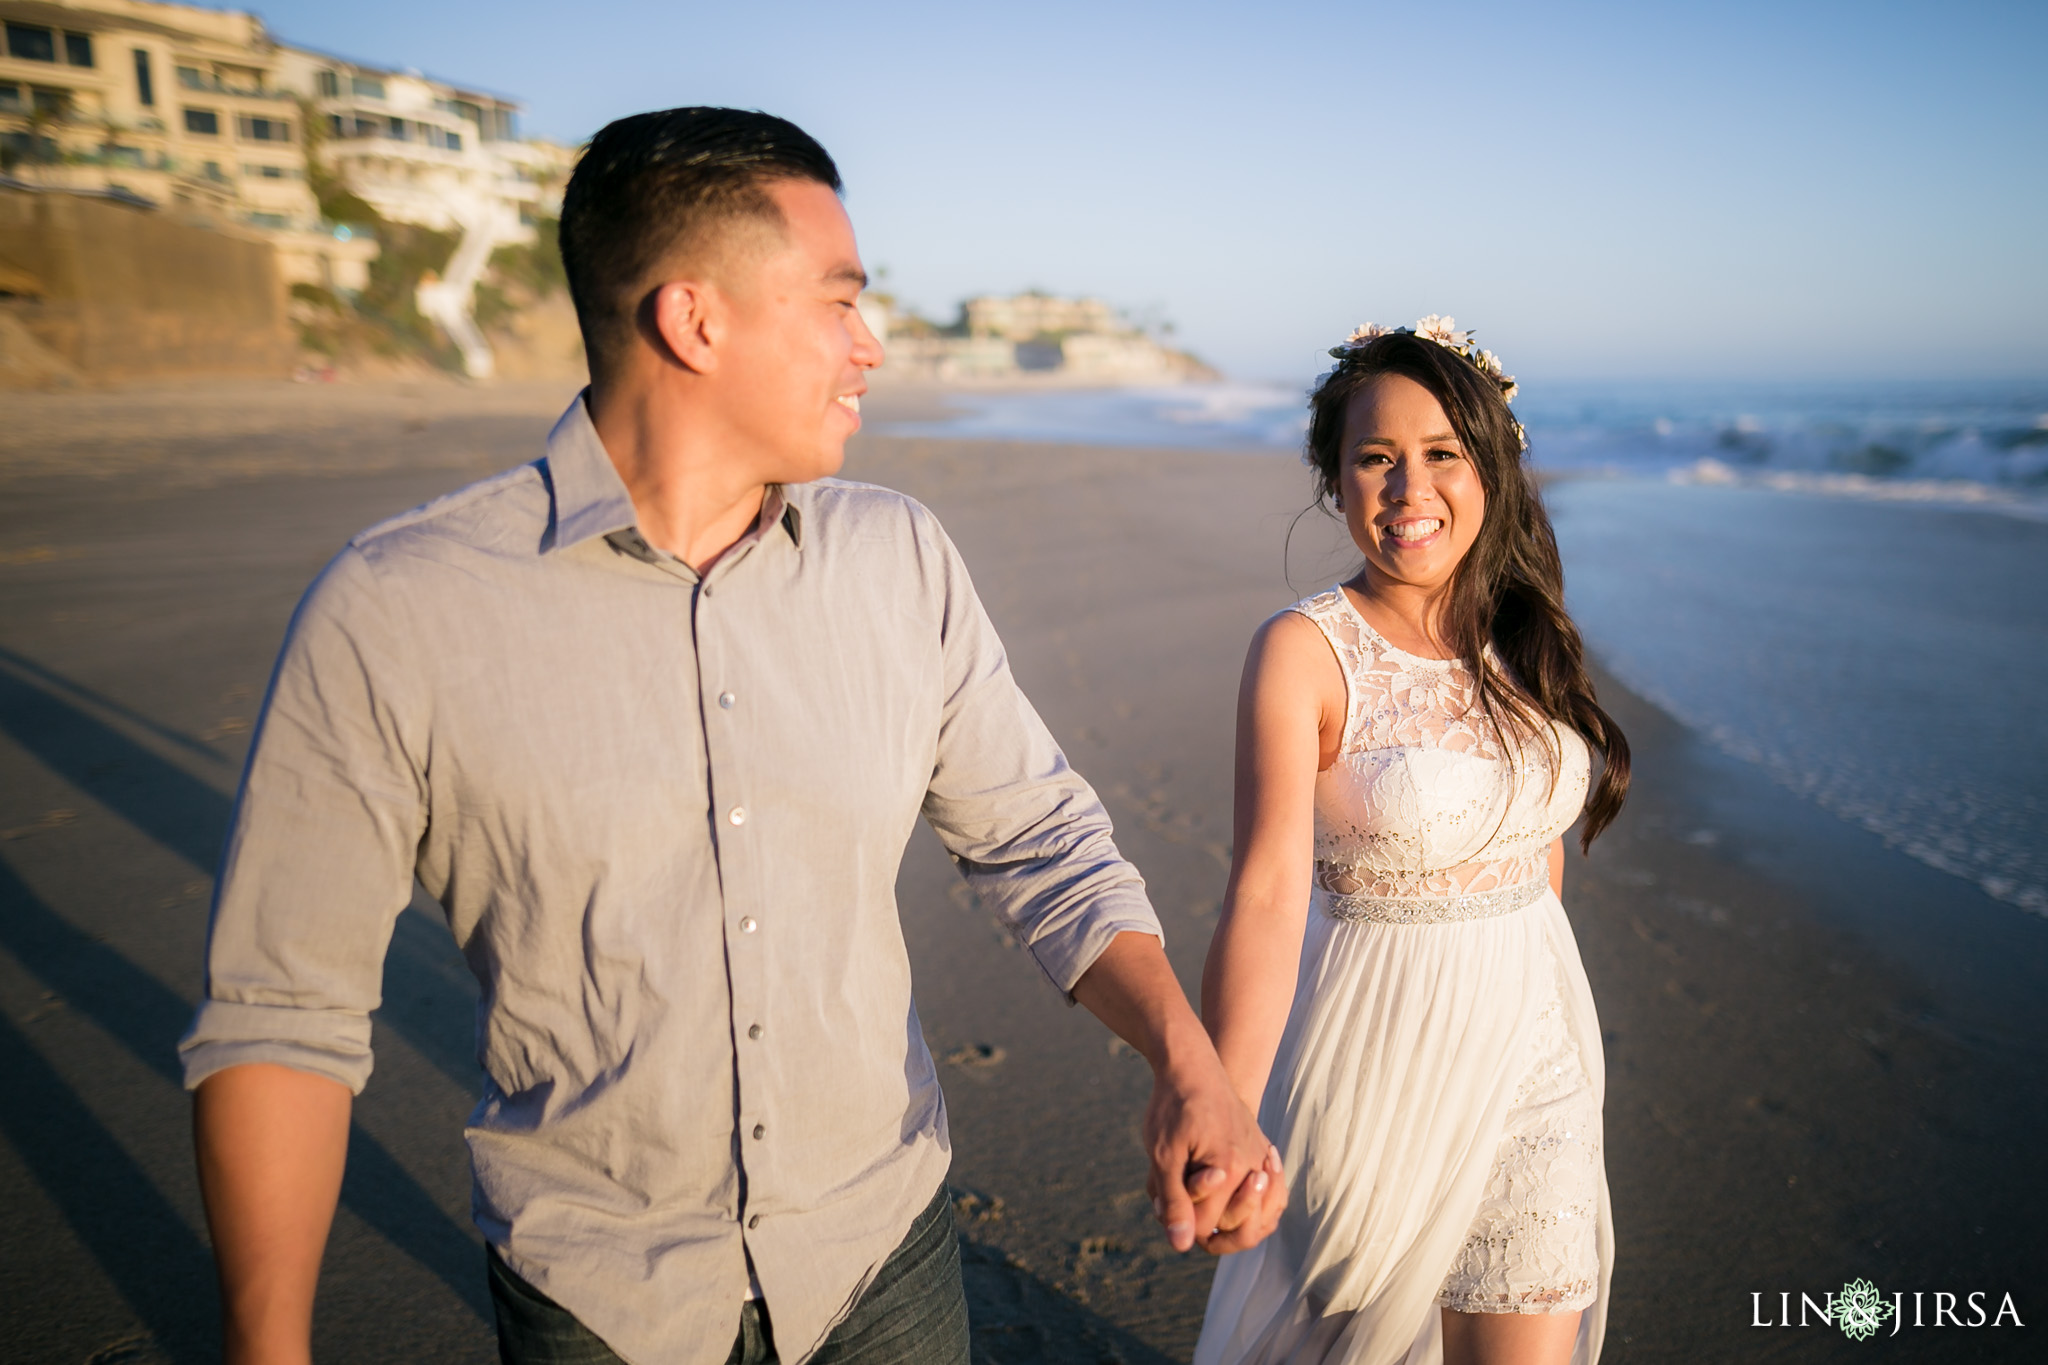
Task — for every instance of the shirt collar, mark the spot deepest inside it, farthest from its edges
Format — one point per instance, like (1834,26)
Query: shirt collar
(591,500)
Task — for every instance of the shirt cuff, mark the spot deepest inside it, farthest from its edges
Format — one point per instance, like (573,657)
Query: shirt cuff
(330,1043)
(1065,954)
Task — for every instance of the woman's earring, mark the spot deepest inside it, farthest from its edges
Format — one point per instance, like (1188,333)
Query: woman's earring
(1337,501)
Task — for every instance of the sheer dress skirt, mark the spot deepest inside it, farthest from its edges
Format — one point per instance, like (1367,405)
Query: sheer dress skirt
(1534,1245)
(1436,1096)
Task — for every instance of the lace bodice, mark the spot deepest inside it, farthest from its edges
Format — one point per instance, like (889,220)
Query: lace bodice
(1426,802)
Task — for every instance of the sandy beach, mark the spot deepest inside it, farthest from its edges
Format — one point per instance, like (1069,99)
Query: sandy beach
(1826,1060)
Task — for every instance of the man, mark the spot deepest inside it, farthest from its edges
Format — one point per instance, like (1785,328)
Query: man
(652,719)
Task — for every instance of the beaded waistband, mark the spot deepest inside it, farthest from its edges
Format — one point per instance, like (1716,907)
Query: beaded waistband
(1443,910)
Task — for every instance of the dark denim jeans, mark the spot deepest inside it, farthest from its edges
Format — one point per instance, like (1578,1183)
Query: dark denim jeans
(914,1313)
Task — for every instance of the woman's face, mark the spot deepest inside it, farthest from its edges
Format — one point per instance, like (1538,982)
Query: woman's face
(1412,496)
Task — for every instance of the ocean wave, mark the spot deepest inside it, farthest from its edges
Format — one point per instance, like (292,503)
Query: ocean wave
(2025,502)
(1994,436)
(1984,444)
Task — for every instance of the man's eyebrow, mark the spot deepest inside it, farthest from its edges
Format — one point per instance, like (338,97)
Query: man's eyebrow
(849,274)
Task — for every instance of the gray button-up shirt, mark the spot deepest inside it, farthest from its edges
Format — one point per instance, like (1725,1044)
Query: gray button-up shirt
(664,814)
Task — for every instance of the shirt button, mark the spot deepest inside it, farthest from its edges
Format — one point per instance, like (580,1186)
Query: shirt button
(754,1221)
(747,925)
(760,1131)
(754,1032)
(738,815)
(726,699)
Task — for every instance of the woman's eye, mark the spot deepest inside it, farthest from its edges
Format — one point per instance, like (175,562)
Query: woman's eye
(1441,454)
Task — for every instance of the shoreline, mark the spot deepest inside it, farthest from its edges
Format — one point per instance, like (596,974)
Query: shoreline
(1826,1060)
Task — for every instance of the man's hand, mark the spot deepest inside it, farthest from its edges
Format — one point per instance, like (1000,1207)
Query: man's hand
(1215,1179)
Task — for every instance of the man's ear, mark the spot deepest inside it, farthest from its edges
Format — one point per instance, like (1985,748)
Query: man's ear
(687,318)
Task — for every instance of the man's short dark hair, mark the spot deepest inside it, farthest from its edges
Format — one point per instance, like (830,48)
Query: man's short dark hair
(651,187)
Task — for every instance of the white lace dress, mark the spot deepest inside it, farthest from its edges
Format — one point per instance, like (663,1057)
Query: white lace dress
(1437,1091)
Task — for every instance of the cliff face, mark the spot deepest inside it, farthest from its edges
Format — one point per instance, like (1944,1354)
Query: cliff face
(110,292)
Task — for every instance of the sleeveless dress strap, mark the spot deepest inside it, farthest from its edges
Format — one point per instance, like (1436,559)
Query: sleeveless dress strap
(1334,618)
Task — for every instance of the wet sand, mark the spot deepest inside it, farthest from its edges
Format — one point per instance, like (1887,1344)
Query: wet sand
(1826,1061)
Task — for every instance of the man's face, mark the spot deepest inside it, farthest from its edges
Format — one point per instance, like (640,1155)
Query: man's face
(795,361)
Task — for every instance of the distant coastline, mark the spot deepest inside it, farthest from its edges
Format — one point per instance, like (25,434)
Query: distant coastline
(1033,339)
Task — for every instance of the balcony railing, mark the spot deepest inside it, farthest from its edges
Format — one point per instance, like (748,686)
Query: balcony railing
(207,83)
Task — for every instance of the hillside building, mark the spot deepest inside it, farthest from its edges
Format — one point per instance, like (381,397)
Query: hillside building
(174,106)
(170,105)
(447,157)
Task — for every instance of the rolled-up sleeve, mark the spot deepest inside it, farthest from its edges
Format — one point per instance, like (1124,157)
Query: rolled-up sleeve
(1027,832)
(321,848)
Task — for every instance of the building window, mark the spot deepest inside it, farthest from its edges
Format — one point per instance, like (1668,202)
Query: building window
(452,141)
(31,44)
(365,86)
(256,172)
(51,103)
(10,98)
(212,169)
(115,155)
(330,84)
(270,220)
(192,78)
(78,49)
(203,121)
(396,130)
(145,88)
(263,129)
(27,147)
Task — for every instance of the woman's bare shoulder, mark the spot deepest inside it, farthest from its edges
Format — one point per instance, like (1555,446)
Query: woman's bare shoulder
(1290,652)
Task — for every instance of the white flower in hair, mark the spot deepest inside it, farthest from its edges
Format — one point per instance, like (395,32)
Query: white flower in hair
(1443,331)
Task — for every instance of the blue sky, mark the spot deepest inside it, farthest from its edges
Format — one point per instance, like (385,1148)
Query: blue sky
(1767,191)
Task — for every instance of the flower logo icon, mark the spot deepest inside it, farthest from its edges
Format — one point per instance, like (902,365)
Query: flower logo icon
(1860,1310)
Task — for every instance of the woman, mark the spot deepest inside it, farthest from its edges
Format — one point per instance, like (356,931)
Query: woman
(1394,985)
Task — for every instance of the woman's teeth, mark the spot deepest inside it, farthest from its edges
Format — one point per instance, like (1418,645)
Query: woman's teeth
(1415,530)
(851,400)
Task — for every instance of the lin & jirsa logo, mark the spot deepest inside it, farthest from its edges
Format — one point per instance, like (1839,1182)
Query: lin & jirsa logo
(1861,1310)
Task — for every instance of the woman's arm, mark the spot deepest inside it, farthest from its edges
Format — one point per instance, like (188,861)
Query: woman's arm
(1290,720)
(1557,866)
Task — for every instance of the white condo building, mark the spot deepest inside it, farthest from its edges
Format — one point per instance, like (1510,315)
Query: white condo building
(443,156)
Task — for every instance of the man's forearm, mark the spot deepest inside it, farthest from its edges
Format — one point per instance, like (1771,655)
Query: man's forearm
(1211,1167)
(271,1144)
(1133,990)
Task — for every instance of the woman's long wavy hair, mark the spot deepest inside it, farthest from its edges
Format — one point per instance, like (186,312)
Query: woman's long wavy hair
(1508,591)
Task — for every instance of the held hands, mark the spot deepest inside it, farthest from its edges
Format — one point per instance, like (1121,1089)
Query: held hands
(1216,1181)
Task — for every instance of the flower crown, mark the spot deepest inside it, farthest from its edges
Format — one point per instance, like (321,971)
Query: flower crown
(1443,331)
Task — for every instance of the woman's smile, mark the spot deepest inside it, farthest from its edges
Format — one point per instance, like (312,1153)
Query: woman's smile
(1413,533)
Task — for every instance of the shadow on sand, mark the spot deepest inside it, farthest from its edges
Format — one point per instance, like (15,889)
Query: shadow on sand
(149,1253)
